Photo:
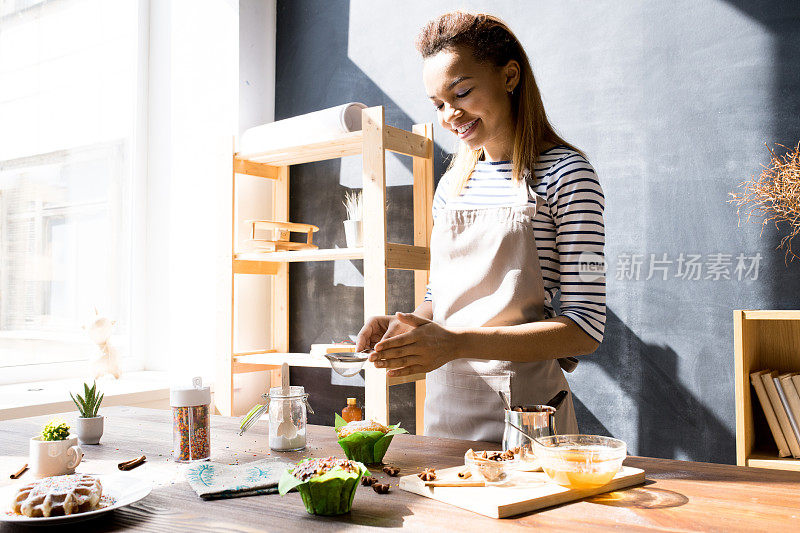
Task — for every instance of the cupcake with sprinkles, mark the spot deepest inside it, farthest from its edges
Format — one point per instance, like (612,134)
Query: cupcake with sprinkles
(327,486)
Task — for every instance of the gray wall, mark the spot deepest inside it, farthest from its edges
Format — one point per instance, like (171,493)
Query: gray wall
(672,101)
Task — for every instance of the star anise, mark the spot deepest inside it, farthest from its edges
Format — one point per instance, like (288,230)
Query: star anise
(381,488)
(391,470)
(429,474)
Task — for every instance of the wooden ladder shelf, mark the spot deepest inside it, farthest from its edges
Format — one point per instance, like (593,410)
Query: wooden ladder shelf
(372,142)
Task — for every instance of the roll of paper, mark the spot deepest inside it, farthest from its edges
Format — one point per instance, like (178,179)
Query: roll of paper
(310,128)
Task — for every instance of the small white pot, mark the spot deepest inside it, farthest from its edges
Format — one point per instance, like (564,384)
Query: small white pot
(354,233)
(54,457)
(90,429)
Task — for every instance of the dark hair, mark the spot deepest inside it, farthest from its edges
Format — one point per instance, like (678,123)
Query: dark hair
(488,37)
(491,41)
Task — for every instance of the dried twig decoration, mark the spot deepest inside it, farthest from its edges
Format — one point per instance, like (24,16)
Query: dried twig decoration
(774,195)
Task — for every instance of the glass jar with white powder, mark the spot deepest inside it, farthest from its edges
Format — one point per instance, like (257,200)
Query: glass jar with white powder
(287,419)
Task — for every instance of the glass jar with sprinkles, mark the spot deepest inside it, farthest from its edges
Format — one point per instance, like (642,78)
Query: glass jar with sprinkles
(191,422)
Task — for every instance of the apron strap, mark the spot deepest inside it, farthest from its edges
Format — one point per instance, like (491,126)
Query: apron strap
(568,364)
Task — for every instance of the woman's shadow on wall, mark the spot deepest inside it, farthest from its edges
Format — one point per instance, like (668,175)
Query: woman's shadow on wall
(670,421)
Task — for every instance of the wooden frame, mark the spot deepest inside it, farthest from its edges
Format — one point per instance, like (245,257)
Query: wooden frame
(762,340)
(372,142)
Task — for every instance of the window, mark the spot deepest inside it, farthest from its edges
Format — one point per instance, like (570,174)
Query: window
(68,112)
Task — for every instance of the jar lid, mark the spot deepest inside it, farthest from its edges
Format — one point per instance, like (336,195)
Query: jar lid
(351,401)
(295,391)
(192,396)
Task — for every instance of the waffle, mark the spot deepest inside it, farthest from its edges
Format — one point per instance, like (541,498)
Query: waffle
(58,495)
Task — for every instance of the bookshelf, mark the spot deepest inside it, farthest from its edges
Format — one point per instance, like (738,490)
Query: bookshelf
(379,255)
(763,339)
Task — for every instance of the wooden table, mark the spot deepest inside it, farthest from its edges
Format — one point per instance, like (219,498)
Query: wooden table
(678,496)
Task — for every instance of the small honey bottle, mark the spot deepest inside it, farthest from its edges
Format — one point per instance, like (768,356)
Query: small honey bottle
(352,412)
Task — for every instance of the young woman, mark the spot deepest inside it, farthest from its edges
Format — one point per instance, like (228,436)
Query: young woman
(515,216)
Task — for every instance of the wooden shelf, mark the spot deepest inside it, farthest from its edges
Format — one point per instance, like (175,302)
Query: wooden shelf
(398,256)
(299,256)
(268,360)
(763,339)
(787,314)
(760,459)
(395,140)
(254,362)
(252,168)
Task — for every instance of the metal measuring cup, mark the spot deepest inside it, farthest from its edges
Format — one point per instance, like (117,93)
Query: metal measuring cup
(535,420)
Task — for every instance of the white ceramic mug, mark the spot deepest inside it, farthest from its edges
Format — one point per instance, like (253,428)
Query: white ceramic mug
(54,457)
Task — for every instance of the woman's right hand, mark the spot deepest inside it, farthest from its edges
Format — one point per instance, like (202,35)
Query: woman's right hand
(378,328)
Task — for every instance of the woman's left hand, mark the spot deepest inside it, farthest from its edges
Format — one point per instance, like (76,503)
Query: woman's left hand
(426,347)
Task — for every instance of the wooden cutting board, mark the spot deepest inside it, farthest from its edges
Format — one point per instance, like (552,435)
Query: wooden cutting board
(527,491)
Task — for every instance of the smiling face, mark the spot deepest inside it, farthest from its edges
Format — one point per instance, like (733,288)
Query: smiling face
(472,99)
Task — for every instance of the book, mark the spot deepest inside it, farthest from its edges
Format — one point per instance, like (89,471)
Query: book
(780,412)
(772,420)
(782,394)
(792,396)
(796,381)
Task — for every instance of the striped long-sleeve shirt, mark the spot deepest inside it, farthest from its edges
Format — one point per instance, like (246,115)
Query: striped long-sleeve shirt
(568,226)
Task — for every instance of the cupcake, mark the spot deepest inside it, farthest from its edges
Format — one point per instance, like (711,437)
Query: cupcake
(327,486)
(365,441)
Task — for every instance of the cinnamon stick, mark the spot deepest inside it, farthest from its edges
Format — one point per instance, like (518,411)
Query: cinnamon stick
(133,463)
(19,472)
(455,483)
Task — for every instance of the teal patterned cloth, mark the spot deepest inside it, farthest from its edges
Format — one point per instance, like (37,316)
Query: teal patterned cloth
(213,481)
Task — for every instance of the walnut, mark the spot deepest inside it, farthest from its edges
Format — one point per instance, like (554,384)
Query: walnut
(429,474)
(507,455)
(368,481)
(391,470)
(381,488)
(495,456)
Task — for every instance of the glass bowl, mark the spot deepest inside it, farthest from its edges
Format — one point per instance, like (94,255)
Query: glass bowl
(580,461)
(528,462)
(490,471)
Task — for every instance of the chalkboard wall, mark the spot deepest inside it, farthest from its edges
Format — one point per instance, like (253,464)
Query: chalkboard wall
(672,101)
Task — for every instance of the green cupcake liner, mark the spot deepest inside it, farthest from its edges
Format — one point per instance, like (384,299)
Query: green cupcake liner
(329,494)
(367,447)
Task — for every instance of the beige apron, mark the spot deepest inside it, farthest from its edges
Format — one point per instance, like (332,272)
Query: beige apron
(485,272)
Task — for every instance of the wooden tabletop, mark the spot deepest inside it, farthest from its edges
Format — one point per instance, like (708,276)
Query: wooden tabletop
(678,496)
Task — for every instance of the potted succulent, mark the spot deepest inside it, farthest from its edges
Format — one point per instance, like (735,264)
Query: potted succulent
(90,424)
(54,452)
(55,430)
(353,226)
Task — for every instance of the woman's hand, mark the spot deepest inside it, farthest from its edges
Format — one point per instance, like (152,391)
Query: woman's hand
(378,328)
(424,347)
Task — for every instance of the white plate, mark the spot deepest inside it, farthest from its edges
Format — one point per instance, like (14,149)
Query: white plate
(124,490)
